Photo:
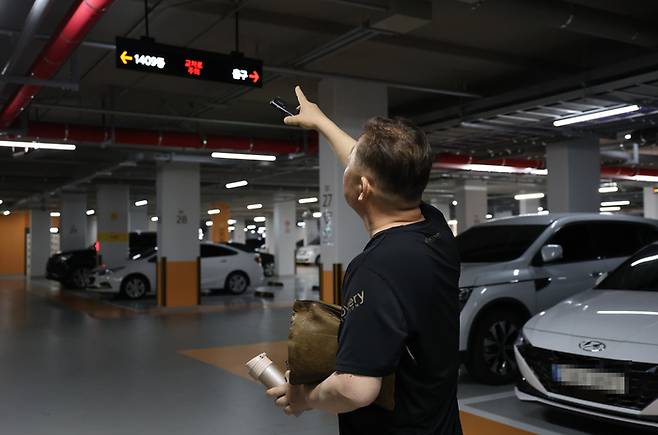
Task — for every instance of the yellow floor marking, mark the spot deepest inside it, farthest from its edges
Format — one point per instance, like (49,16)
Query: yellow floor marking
(233,358)
(476,425)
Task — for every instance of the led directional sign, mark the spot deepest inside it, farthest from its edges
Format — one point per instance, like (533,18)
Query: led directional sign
(147,56)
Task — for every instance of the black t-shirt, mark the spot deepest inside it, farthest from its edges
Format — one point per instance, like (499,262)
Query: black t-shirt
(401,315)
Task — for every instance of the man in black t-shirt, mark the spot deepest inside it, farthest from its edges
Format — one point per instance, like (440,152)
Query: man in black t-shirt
(400,295)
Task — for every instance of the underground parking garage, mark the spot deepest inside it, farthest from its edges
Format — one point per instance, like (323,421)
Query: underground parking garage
(328,216)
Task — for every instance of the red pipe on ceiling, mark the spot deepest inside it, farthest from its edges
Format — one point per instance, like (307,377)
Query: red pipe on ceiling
(128,137)
(80,19)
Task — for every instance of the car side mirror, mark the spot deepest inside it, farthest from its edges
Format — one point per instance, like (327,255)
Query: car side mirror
(551,253)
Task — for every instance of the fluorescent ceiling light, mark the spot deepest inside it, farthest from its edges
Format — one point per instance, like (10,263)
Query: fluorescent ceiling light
(454,203)
(245,230)
(37,145)
(504,169)
(608,189)
(154,218)
(209,223)
(488,216)
(231,228)
(254,206)
(261,230)
(55,214)
(614,203)
(231,222)
(235,184)
(452,222)
(523,196)
(1,201)
(628,136)
(540,208)
(251,227)
(646,178)
(238,156)
(214,211)
(301,224)
(6,213)
(543,212)
(317,214)
(260,219)
(307,200)
(596,115)
(54,230)
(91,211)
(141,202)
(610,209)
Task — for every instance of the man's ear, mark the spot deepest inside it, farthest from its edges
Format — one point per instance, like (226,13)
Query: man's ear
(365,187)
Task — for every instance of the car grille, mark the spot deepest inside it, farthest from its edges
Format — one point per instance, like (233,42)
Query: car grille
(641,378)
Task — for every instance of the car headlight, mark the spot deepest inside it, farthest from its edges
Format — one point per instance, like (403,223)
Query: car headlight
(464,294)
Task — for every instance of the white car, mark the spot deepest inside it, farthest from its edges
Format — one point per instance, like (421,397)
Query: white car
(597,353)
(309,254)
(512,268)
(221,267)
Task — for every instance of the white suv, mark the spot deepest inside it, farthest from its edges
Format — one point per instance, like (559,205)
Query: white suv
(512,268)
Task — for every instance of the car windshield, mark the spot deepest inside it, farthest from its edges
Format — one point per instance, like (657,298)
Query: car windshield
(639,273)
(496,243)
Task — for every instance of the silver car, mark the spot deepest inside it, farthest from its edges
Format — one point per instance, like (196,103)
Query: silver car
(512,268)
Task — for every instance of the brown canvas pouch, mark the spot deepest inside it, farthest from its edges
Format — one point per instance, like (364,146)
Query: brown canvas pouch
(312,347)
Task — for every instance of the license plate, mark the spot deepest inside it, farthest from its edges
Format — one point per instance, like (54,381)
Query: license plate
(594,379)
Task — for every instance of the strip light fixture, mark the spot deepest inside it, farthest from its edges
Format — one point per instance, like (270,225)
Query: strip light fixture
(254,206)
(235,184)
(609,188)
(209,223)
(596,115)
(37,145)
(307,200)
(91,212)
(610,209)
(317,214)
(141,203)
(614,203)
(260,219)
(154,219)
(504,169)
(214,211)
(231,222)
(523,196)
(55,214)
(239,156)
(6,213)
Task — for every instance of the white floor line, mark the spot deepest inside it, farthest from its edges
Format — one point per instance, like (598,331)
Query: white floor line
(508,421)
(486,398)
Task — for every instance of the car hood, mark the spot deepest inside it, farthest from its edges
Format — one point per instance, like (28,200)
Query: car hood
(478,274)
(629,316)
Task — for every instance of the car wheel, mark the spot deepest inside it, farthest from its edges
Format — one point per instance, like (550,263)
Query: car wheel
(491,352)
(134,287)
(268,269)
(79,278)
(237,283)
(317,260)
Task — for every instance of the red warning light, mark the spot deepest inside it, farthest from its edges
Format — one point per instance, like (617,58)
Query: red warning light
(194,67)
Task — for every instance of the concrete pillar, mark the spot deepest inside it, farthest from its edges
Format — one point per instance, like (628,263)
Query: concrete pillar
(574,175)
(139,219)
(113,215)
(40,241)
(220,222)
(650,203)
(239,234)
(471,208)
(342,233)
(528,206)
(179,201)
(311,230)
(73,223)
(92,229)
(269,234)
(284,232)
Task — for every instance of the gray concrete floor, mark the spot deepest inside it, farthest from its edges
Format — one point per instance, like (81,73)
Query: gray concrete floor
(64,371)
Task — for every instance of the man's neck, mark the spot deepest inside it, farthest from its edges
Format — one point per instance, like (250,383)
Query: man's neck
(383,221)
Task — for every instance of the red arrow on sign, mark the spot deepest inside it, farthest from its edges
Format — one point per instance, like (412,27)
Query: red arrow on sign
(254,76)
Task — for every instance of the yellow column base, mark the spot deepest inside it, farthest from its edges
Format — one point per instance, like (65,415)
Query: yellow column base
(178,283)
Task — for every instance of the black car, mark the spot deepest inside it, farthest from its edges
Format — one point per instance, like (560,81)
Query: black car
(72,268)
(266,259)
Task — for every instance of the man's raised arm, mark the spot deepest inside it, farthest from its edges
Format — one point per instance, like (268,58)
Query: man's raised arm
(311,117)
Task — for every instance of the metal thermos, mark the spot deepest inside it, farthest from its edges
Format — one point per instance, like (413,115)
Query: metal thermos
(262,369)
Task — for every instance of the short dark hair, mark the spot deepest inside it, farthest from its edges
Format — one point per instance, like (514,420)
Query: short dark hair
(398,155)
